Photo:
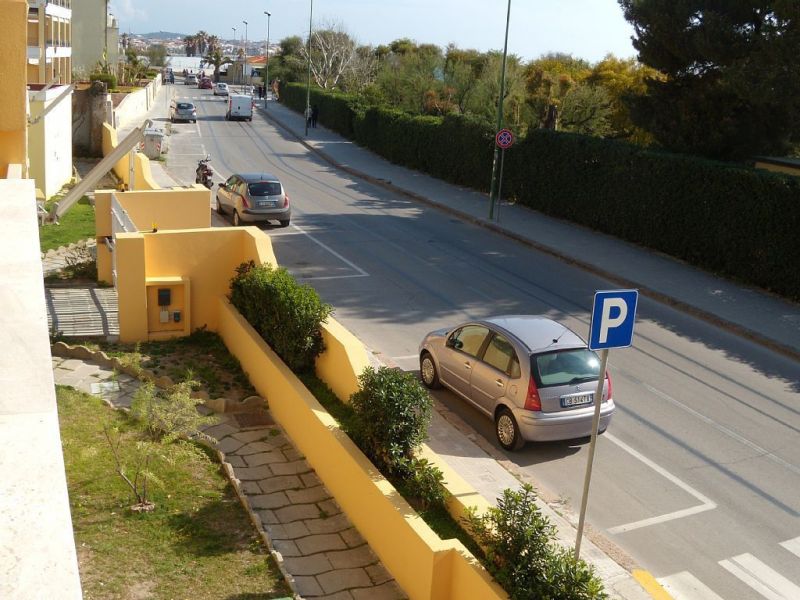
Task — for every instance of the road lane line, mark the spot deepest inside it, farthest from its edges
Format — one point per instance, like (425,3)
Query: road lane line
(706,503)
(685,586)
(352,265)
(792,546)
(312,278)
(764,580)
(722,429)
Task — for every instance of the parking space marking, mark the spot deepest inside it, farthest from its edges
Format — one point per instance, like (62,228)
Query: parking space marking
(705,505)
(760,577)
(792,546)
(361,272)
(685,586)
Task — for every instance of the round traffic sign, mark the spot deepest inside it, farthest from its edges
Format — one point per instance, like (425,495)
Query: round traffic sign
(504,138)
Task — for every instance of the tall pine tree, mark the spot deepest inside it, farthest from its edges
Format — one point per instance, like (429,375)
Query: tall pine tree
(731,85)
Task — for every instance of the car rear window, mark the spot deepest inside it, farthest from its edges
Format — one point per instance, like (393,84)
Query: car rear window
(185,105)
(265,188)
(565,367)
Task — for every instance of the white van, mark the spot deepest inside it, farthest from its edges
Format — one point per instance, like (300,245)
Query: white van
(239,107)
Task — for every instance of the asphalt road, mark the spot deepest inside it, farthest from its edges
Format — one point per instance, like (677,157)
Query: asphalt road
(698,477)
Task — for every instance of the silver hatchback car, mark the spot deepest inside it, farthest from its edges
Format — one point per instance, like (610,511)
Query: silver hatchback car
(252,197)
(534,377)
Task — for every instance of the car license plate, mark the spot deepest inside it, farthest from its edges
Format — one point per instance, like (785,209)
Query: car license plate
(265,204)
(568,401)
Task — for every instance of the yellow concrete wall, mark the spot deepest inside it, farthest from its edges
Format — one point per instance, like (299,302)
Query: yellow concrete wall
(143,179)
(13,73)
(425,566)
(131,289)
(173,208)
(207,258)
(344,359)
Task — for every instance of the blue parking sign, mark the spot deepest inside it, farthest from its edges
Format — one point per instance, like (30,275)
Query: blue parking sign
(613,314)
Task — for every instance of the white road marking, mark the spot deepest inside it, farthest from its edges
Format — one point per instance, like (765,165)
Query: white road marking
(685,586)
(312,278)
(722,429)
(792,546)
(764,580)
(352,265)
(409,357)
(706,503)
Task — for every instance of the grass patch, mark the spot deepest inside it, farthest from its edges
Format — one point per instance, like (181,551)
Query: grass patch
(203,355)
(77,224)
(198,542)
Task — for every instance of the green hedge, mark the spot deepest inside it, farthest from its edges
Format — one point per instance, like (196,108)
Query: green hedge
(285,313)
(109,79)
(735,221)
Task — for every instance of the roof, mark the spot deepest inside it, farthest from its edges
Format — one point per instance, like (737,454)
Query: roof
(255,177)
(538,333)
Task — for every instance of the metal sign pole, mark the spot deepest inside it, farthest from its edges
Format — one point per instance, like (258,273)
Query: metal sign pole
(500,183)
(598,397)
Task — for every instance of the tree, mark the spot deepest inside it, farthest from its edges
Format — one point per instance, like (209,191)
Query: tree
(332,54)
(217,59)
(157,55)
(190,45)
(586,109)
(731,78)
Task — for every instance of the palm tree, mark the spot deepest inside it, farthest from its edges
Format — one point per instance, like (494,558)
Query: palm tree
(190,43)
(216,58)
(202,42)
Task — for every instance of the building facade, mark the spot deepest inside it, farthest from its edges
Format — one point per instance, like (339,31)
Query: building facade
(96,36)
(50,41)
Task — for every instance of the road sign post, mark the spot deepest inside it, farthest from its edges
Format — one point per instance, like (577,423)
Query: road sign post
(613,315)
(504,139)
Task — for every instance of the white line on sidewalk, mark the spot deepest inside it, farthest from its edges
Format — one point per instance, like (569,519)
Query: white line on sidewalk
(706,503)
(351,264)
(792,546)
(766,581)
(685,586)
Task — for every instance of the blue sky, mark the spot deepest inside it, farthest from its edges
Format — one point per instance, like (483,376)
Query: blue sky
(587,29)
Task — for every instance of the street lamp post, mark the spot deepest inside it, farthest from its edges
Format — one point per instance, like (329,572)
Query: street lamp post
(266,63)
(234,52)
(245,76)
(308,52)
(494,186)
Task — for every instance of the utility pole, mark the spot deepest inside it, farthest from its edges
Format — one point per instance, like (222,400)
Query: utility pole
(245,75)
(235,52)
(266,62)
(308,52)
(495,162)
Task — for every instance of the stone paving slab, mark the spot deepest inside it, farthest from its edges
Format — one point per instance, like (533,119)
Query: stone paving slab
(317,545)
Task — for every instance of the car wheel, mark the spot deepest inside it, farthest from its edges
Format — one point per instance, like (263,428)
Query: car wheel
(236,221)
(428,373)
(219,207)
(507,430)
(285,223)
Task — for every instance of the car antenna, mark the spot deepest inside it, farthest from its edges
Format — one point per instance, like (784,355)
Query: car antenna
(556,340)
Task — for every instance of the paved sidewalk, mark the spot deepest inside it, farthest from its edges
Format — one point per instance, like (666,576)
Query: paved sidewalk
(319,548)
(760,316)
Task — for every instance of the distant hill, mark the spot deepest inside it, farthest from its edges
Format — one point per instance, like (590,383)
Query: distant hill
(161,35)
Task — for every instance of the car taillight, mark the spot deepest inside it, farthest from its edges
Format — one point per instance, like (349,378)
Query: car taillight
(285,200)
(532,400)
(608,395)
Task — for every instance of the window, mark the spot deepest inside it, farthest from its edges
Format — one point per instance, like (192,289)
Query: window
(469,339)
(500,355)
(265,188)
(185,105)
(565,367)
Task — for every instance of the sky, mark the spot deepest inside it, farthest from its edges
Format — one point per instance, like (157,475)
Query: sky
(587,29)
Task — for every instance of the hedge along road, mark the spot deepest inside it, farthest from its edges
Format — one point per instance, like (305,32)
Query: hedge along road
(697,480)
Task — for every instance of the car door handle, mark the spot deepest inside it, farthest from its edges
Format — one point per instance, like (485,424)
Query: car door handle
(499,382)
(467,365)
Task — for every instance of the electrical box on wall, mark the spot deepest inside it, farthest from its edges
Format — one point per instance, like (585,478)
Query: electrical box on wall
(176,316)
(164,297)
(163,316)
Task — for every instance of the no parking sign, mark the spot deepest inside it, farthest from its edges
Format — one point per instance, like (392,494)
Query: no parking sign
(504,138)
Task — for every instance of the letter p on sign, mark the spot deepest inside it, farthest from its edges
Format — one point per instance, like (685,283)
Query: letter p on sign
(613,315)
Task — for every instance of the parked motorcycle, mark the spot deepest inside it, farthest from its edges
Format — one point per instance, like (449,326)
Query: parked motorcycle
(204,173)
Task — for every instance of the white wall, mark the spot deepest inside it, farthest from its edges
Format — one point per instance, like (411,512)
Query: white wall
(134,106)
(50,140)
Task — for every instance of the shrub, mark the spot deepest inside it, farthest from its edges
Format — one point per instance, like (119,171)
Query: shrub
(523,556)
(394,411)
(286,314)
(108,78)
(170,416)
(424,481)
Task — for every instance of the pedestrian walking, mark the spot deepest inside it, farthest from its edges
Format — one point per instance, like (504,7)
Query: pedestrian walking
(314,116)
(308,114)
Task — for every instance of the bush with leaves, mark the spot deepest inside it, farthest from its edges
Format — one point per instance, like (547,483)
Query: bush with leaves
(394,411)
(286,314)
(170,416)
(424,481)
(523,556)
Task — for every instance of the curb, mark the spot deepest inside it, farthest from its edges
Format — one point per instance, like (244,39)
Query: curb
(675,303)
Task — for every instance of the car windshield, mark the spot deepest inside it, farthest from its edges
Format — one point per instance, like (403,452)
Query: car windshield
(565,367)
(185,105)
(265,188)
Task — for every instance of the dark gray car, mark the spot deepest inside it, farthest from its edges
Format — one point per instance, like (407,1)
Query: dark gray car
(254,197)
(534,377)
